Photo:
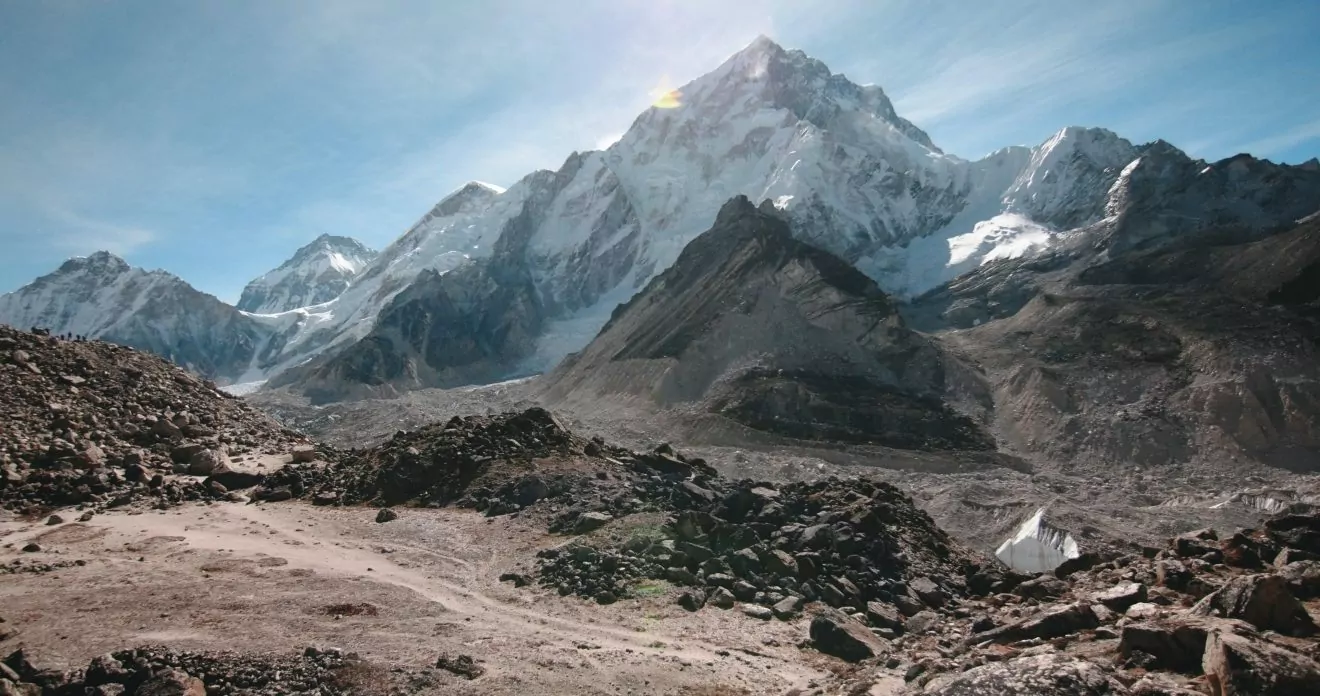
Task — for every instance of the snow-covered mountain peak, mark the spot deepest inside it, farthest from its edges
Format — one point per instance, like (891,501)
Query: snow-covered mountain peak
(470,197)
(102,262)
(1063,184)
(316,273)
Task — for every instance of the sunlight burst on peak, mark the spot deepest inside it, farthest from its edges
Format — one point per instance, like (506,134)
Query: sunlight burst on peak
(665,97)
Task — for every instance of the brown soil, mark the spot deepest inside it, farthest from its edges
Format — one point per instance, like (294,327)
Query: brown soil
(278,578)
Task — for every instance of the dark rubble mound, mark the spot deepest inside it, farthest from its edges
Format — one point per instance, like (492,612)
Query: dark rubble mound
(159,670)
(445,462)
(845,543)
(495,464)
(88,422)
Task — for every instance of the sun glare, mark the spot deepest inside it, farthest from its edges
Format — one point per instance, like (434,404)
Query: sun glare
(666,97)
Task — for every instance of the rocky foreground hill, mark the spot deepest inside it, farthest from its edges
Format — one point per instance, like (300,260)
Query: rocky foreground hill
(96,424)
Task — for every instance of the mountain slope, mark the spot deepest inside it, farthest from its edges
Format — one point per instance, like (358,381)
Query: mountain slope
(102,296)
(778,336)
(1197,354)
(316,273)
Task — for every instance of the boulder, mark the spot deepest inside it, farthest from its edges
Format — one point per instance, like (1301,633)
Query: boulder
(757,611)
(590,521)
(233,480)
(205,462)
(1175,644)
(787,608)
(1300,532)
(1054,622)
(844,638)
(91,457)
(1263,601)
(923,621)
(1237,665)
(692,600)
(185,451)
(1303,578)
(1287,556)
(928,592)
(1085,561)
(721,598)
(302,454)
(172,682)
(1173,575)
(780,563)
(1051,674)
(885,616)
(1041,587)
(1121,596)
(1142,611)
(386,515)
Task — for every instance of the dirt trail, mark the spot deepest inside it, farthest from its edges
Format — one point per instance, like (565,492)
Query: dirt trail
(274,556)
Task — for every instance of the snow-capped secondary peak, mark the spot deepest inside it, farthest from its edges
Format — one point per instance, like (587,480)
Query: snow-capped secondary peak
(469,197)
(315,274)
(101,296)
(1037,546)
(1062,185)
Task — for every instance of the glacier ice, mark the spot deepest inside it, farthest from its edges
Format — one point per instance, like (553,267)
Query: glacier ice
(1037,547)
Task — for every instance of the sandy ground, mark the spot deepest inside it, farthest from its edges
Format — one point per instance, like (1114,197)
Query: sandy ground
(285,576)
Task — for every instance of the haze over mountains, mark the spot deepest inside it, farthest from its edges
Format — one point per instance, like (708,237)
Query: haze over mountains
(544,263)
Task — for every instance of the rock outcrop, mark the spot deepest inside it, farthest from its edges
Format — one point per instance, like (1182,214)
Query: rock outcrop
(755,327)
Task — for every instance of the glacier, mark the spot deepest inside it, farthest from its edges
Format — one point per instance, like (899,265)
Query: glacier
(1037,546)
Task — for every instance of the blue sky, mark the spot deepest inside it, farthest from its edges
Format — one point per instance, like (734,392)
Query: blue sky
(213,138)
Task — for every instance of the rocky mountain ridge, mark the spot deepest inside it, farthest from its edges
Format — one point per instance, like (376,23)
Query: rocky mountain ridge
(754,326)
(850,175)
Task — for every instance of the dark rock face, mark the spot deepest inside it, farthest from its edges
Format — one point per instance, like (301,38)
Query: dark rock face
(776,335)
(1263,601)
(1097,320)
(1174,644)
(470,325)
(94,423)
(845,639)
(439,463)
(1234,664)
(1053,622)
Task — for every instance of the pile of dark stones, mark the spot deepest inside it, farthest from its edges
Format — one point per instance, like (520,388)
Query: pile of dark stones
(859,546)
(97,424)
(156,670)
(433,465)
(498,464)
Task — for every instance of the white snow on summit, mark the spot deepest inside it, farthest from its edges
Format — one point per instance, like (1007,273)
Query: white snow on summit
(316,273)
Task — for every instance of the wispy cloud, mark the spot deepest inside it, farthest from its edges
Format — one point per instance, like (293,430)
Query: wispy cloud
(1269,145)
(79,234)
(221,149)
